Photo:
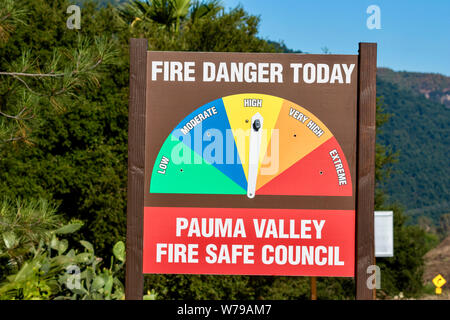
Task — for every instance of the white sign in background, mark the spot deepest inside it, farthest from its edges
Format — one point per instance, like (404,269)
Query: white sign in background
(384,233)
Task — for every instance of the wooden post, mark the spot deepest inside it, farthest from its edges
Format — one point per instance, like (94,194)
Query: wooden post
(313,288)
(134,278)
(365,251)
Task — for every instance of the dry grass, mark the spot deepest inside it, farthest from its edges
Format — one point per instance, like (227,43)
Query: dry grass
(437,261)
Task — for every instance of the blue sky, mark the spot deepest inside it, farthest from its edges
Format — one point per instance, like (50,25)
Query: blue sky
(414,34)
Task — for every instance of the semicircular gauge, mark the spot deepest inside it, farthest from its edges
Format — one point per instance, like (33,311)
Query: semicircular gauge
(251,144)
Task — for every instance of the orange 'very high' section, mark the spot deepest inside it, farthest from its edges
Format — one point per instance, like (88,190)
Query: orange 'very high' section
(297,132)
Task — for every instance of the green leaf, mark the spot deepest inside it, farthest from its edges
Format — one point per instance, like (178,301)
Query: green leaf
(46,266)
(108,286)
(80,291)
(10,239)
(25,272)
(87,245)
(88,274)
(119,251)
(63,260)
(97,283)
(151,295)
(71,253)
(69,228)
(62,246)
(54,243)
(84,257)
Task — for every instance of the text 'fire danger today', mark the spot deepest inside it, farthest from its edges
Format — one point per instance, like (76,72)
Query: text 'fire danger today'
(252,72)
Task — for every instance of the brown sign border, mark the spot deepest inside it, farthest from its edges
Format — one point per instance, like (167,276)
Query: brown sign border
(365,167)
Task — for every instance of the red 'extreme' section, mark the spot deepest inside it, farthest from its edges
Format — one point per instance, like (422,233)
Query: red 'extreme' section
(249,241)
(323,172)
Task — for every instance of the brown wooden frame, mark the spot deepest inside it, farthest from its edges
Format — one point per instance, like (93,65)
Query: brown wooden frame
(134,278)
(365,191)
(365,255)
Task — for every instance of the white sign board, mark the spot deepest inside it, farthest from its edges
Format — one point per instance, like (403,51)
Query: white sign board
(384,233)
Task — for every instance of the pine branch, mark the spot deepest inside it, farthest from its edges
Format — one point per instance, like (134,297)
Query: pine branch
(27,86)
(17,116)
(42,75)
(14,74)
(13,139)
(56,81)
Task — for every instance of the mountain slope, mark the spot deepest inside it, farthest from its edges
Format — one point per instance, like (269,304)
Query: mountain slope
(437,261)
(420,130)
(435,87)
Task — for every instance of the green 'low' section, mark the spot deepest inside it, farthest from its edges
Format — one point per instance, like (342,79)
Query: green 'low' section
(178,169)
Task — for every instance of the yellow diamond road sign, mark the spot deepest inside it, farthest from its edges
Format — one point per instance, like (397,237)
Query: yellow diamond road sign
(439,281)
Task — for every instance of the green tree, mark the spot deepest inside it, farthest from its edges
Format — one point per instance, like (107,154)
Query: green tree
(444,225)
(403,272)
(28,81)
(205,27)
(419,180)
(72,154)
(168,14)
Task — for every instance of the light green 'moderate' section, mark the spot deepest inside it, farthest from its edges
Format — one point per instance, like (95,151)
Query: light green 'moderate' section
(186,172)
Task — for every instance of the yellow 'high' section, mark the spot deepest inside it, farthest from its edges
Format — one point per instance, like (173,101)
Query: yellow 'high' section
(240,109)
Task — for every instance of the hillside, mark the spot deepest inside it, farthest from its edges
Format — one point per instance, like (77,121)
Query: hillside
(435,87)
(437,261)
(419,129)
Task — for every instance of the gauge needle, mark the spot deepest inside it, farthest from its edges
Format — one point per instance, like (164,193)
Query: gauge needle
(253,158)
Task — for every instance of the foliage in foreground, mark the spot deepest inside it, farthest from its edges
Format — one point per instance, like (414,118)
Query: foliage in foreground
(40,265)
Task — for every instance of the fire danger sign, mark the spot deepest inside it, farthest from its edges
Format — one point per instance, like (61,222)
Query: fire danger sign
(249,160)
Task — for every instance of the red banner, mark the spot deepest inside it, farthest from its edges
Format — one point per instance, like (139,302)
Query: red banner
(249,241)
